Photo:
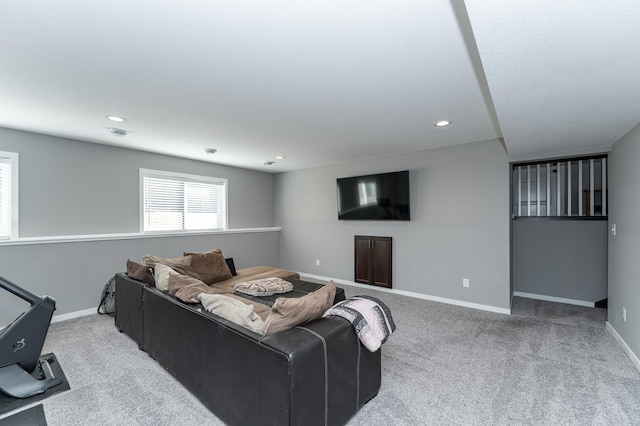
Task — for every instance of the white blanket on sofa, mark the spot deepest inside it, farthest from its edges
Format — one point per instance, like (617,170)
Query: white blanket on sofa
(232,310)
(370,318)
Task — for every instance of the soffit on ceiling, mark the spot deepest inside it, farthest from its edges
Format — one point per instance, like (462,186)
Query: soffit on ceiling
(322,82)
(318,82)
(563,75)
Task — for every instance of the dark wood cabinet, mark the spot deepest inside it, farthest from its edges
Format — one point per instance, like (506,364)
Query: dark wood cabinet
(373,260)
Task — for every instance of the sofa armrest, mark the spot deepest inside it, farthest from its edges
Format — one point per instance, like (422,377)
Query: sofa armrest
(332,374)
(129,307)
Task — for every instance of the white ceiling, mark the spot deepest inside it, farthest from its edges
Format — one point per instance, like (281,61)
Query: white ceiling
(323,82)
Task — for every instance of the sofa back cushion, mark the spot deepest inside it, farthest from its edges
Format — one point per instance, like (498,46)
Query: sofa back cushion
(231,265)
(210,265)
(150,260)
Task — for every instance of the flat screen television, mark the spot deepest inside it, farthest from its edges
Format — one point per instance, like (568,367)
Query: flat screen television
(383,196)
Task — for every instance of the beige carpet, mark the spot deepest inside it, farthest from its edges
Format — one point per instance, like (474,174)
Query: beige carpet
(547,364)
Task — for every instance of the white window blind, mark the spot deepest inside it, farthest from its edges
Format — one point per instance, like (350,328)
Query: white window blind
(178,202)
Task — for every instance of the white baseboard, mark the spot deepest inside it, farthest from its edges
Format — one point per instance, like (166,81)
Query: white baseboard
(72,315)
(624,345)
(413,294)
(555,299)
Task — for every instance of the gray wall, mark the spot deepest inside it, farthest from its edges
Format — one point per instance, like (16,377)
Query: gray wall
(624,248)
(459,224)
(75,272)
(69,188)
(561,258)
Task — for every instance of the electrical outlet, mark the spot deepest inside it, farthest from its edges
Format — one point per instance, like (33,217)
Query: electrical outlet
(317,262)
(465,282)
(624,314)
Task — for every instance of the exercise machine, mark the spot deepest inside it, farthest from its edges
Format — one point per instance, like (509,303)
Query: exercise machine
(21,343)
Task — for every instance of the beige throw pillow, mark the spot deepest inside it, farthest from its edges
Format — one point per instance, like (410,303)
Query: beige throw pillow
(161,274)
(210,265)
(289,312)
(140,272)
(232,310)
(185,270)
(150,259)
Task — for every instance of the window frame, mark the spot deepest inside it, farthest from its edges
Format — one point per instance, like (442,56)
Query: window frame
(159,174)
(12,159)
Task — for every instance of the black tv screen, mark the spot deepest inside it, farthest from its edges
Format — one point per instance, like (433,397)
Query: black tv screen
(383,196)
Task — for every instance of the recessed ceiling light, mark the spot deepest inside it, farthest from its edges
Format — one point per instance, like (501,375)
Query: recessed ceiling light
(279,157)
(210,150)
(116,118)
(117,132)
(442,123)
(268,163)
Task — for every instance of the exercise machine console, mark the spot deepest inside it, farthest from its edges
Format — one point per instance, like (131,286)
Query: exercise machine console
(21,343)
